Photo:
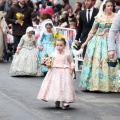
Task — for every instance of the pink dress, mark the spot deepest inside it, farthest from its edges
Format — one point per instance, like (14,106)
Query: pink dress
(58,84)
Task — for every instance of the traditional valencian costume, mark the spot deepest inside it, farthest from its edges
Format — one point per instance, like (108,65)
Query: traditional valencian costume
(26,62)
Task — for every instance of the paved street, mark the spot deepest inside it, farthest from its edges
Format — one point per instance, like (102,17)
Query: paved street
(18,101)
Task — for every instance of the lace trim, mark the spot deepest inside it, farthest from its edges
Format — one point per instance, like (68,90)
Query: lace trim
(100,20)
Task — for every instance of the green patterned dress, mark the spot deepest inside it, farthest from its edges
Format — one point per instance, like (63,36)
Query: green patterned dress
(96,75)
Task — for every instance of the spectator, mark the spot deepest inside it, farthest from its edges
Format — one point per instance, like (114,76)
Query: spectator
(66,5)
(72,18)
(56,19)
(77,18)
(10,43)
(63,23)
(8,4)
(18,29)
(38,18)
(83,6)
(14,2)
(29,4)
(35,13)
(39,1)
(65,15)
(117,5)
(78,6)
(44,17)
(44,4)
(3,30)
(48,9)
(2,5)
(57,6)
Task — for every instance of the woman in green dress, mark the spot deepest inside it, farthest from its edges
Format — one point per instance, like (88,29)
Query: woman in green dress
(96,75)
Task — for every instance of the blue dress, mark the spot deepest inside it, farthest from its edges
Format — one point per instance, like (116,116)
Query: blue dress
(96,75)
(46,41)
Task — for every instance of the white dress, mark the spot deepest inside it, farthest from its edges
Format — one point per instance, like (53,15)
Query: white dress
(26,62)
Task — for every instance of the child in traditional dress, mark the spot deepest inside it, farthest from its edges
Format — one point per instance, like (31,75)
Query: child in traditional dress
(45,44)
(25,60)
(58,84)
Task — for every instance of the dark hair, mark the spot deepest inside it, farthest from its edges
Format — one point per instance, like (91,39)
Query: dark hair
(66,1)
(49,3)
(48,24)
(62,39)
(79,4)
(45,16)
(104,6)
(62,20)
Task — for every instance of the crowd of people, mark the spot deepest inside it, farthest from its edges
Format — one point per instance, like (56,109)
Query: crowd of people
(97,27)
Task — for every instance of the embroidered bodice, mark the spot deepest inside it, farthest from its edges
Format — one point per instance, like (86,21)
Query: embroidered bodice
(101,26)
(46,38)
(62,60)
(27,43)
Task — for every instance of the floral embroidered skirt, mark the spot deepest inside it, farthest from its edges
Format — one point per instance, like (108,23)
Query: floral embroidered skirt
(96,75)
(58,86)
(26,63)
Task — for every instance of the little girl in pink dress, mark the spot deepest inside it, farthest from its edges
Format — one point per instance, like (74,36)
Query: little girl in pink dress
(58,84)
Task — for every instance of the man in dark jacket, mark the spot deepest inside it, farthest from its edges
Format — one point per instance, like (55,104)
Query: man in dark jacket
(29,4)
(86,22)
(18,29)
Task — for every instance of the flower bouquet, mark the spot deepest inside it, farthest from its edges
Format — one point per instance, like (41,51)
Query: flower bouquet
(112,62)
(47,61)
(56,36)
(20,16)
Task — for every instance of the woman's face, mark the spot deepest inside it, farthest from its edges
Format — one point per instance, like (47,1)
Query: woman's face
(109,7)
(35,6)
(53,19)
(76,6)
(63,15)
(56,19)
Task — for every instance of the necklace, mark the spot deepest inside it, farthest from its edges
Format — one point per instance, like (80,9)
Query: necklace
(108,15)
